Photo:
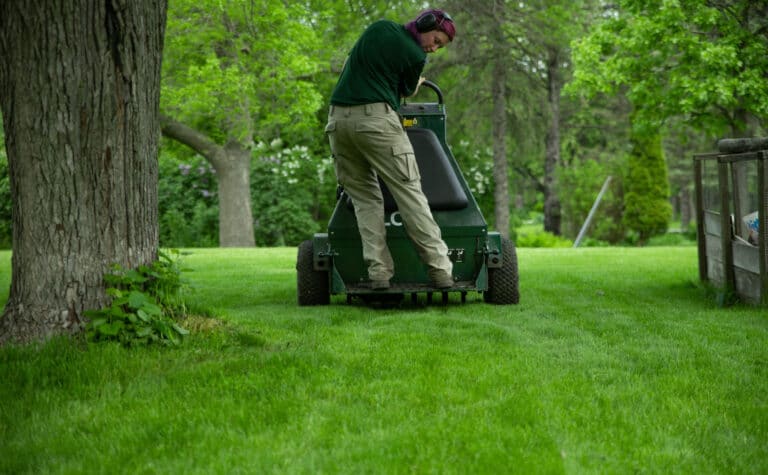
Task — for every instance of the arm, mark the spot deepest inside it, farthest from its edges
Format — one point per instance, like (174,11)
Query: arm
(416,90)
(411,79)
(404,92)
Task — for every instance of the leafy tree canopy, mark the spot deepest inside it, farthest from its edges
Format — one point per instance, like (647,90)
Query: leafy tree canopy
(230,61)
(701,59)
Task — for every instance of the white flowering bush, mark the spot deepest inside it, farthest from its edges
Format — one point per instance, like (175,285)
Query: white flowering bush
(477,165)
(292,191)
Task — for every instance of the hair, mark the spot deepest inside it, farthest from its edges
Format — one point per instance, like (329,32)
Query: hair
(444,23)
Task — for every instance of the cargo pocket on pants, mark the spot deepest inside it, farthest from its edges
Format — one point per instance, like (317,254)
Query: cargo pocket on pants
(405,163)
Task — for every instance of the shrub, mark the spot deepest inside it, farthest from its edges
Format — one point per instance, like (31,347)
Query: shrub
(582,181)
(144,303)
(647,210)
(541,238)
(286,185)
(187,206)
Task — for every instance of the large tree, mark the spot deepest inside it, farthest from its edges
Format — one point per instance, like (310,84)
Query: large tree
(547,46)
(79,91)
(500,61)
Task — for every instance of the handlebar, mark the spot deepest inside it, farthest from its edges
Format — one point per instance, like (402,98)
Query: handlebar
(434,87)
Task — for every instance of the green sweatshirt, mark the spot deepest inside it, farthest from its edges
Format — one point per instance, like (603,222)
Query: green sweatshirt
(383,66)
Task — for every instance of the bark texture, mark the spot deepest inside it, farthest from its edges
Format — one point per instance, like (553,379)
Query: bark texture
(500,167)
(79,91)
(552,215)
(499,96)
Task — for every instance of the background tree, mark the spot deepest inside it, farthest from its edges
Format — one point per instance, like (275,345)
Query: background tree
(481,78)
(238,72)
(79,91)
(701,60)
(292,181)
(499,64)
(696,64)
(550,28)
(523,50)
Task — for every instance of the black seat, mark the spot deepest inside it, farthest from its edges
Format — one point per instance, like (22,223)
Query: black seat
(438,180)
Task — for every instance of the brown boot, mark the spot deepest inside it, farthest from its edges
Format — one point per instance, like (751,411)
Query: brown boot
(379,284)
(443,282)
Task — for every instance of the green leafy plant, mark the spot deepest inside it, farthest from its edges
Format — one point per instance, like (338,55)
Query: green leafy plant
(145,302)
(540,238)
(188,205)
(289,188)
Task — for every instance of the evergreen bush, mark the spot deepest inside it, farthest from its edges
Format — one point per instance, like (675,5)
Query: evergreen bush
(647,210)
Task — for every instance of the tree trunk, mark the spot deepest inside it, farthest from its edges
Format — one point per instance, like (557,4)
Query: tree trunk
(233,171)
(235,214)
(686,208)
(79,91)
(552,153)
(499,126)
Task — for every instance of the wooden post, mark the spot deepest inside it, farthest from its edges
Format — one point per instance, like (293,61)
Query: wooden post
(701,238)
(726,227)
(762,189)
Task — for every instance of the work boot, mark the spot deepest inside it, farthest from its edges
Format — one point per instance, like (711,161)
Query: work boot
(379,284)
(442,281)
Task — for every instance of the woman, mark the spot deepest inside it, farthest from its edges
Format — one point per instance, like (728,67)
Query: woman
(368,140)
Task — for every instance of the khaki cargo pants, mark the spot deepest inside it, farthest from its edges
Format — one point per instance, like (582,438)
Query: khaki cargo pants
(369,141)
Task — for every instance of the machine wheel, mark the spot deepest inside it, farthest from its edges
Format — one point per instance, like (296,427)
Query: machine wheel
(503,281)
(311,285)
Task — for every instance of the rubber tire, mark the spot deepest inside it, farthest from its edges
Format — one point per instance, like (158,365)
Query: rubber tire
(311,285)
(503,282)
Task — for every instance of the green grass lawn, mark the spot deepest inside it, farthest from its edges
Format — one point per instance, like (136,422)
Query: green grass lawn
(615,361)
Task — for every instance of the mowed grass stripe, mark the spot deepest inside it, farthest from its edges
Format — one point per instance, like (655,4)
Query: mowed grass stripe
(615,361)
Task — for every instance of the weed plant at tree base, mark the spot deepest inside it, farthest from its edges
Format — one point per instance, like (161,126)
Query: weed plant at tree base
(144,303)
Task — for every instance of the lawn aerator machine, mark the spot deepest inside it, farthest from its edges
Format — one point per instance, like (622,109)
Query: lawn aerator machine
(331,263)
